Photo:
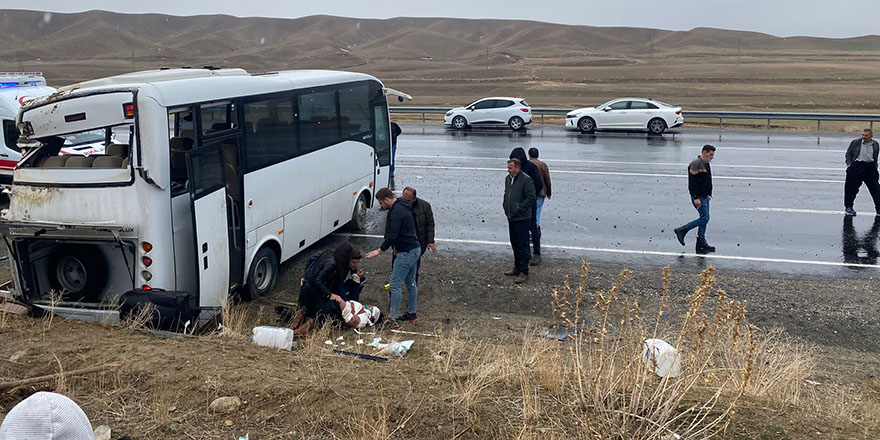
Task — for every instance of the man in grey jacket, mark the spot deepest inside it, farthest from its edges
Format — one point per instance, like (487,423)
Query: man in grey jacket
(519,198)
(861,167)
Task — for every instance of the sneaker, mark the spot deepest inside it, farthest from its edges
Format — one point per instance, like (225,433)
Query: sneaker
(850,211)
(389,324)
(409,317)
(536,260)
(679,234)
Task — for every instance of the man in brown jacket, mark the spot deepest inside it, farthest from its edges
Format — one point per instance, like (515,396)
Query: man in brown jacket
(545,192)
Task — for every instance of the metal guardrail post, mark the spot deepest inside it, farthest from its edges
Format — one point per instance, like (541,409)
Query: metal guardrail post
(423,117)
(818,125)
(542,119)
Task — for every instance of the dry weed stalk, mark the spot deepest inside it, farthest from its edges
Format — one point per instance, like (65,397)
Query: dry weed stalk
(142,319)
(235,320)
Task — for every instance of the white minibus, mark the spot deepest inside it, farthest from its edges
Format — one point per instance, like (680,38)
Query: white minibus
(16,88)
(225,175)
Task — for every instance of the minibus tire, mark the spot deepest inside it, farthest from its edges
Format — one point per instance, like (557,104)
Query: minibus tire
(79,271)
(359,215)
(263,274)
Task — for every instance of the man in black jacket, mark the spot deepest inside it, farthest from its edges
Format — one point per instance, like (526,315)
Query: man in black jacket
(424,217)
(519,198)
(531,169)
(861,166)
(700,187)
(400,233)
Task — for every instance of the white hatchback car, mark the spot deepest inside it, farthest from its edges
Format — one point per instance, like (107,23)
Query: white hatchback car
(626,114)
(495,111)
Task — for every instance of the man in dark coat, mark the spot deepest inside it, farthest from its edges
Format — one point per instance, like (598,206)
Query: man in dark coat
(861,167)
(519,200)
(400,233)
(532,171)
(424,217)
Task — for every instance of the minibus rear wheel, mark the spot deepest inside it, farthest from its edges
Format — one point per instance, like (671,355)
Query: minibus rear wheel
(263,273)
(79,272)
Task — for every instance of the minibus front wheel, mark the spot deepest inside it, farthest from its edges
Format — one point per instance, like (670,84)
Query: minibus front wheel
(263,273)
(79,272)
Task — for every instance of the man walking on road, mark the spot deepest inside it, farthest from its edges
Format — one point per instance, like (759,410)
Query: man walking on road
(424,217)
(529,168)
(400,233)
(700,187)
(519,198)
(861,167)
(545,192)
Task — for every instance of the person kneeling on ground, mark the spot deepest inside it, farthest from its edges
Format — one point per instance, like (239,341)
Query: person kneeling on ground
(324,274)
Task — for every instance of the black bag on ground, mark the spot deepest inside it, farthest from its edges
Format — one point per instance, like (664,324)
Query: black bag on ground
(169,310)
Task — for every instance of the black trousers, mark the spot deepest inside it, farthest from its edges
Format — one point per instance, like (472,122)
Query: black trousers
(856,174)
(534,231)
(315,306)
(519,241)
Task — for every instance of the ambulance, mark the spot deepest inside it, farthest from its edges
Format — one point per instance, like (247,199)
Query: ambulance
(16,88)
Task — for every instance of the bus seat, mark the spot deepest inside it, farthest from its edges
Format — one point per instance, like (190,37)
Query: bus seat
(125,162)
(119,150)
(53,162)
(107,162)
(79,162)
(187,134)
(180,144)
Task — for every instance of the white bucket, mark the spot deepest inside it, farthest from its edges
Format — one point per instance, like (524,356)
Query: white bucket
(665,356)
(278,337)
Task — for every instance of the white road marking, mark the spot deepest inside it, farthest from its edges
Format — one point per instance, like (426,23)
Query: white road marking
(609,173)
(795,210)
(434,140)
(652,253)
(614,162)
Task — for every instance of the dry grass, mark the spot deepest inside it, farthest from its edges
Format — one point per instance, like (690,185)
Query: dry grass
(235,320)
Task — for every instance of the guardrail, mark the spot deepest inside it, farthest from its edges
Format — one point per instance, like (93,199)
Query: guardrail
(692,114)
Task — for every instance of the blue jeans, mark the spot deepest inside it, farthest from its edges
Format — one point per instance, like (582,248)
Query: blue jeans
(404,272)
(540,202)
(702,221)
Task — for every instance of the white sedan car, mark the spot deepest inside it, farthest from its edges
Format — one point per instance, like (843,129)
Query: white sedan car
(513,112)
(626,114)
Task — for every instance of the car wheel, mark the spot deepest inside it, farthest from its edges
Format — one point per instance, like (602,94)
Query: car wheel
(656,126)
(359,215)
(516,123)
(459,123)
(79,272)
(263,273)
(586,125)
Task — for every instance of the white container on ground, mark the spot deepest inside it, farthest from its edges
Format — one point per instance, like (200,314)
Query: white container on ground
(662,357)
(268,336)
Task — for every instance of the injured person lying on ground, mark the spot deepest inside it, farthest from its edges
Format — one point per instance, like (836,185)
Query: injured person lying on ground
(351,313)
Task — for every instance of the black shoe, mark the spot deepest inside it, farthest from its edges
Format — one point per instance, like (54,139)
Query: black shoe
(679,234)
(850,211)
(703,247)
(536,260)
(409,317)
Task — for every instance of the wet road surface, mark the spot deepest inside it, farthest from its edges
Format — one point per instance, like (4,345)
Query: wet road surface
(777,198)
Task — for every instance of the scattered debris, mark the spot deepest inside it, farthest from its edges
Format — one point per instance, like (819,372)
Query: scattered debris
(812,382)
(560,335)
(360,342)
(361,356)
(662,357)
(278,337)
(102,432)
(397,348)
(228,422)
(14,308)
(497,318)
(403,332)
(225,405)
(18,355)
(455,299)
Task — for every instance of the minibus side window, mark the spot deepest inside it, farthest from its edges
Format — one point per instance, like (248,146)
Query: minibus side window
(10,134)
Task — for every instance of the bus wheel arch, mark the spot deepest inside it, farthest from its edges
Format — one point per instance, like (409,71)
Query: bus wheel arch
(263,271)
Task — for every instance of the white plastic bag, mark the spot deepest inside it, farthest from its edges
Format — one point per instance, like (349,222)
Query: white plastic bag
(278,337)
(397,348)
(662,357)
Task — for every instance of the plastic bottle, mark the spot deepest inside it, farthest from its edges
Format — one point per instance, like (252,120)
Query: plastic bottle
(278,337)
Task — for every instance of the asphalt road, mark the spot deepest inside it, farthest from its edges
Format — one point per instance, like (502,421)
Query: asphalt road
(777,202)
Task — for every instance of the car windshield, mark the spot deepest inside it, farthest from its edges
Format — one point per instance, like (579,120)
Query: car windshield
(607,103)
(472,103)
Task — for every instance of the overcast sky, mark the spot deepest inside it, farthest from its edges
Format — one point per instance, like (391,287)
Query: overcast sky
(824,18)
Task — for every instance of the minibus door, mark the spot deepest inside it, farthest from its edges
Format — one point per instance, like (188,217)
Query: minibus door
(208,193)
